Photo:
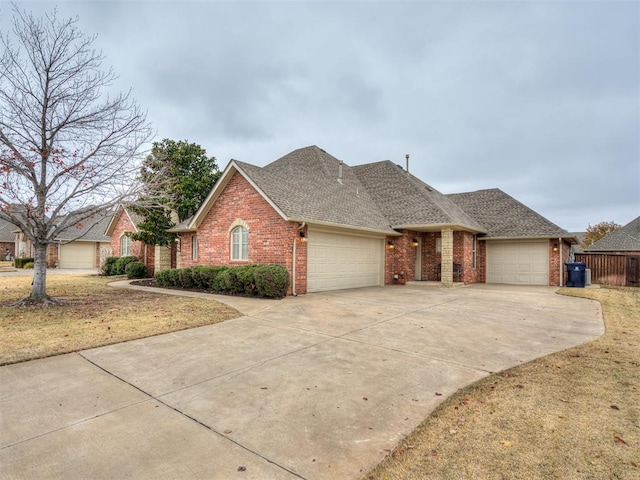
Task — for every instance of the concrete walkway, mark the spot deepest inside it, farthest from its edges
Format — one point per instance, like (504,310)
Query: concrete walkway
(319,386)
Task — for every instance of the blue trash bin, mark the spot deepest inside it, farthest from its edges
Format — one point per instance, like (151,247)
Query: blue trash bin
(576,274)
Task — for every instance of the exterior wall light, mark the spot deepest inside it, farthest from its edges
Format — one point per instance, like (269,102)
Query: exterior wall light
(555,247)
(390,245)
(303,236)
(415,242)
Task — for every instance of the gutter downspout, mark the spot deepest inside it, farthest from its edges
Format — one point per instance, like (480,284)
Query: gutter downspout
(293,269)
(560,259)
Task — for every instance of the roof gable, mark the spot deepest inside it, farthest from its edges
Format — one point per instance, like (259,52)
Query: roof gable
(134,218)
(625,238)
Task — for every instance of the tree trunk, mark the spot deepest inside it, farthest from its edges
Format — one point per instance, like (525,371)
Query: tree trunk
(39,289)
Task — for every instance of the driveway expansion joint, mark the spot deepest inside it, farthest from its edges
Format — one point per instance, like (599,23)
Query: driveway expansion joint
(178,411)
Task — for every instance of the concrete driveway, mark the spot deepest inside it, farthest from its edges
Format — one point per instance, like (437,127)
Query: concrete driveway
(317,387)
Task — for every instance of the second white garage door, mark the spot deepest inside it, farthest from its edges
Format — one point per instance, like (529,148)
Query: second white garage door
(78,255)
(520,263)
(337,261)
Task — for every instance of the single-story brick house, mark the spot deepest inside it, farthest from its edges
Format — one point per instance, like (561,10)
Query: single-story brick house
(82,245)
(334,226)
(124,222)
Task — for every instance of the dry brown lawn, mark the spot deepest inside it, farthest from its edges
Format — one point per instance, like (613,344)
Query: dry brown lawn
(94,315)
(571,415)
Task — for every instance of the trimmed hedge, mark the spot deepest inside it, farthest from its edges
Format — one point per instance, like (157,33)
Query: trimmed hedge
(28,265)
(136,270)
(117,265)
(267,281)
(19,262)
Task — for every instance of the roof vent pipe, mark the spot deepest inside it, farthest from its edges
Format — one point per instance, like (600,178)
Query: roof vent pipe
(407,157)
(340,172)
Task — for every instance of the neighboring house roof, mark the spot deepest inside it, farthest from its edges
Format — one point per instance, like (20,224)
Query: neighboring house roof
(7,231)
(90,229)
(505,217)
(310,185)
(625,238)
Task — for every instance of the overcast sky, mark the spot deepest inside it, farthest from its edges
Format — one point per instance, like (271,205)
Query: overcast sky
(540,99)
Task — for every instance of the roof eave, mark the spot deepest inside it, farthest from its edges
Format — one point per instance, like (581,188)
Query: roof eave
(436,227)
(342,226)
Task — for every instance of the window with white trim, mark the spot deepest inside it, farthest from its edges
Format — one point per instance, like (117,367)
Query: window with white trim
(240,243)
(194,247)
(475,251)
(125,245)
(438,244)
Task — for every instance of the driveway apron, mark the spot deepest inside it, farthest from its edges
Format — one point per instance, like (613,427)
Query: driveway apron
(319,386)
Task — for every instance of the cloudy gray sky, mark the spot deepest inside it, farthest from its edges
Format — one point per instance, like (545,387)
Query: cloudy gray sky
(538,98)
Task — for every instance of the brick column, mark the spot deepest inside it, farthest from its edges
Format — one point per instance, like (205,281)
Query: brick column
(447,257)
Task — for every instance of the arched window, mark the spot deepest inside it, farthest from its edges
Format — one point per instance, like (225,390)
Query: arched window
(125,245)
(239,243)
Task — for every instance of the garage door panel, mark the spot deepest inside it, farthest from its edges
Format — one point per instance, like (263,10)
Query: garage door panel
(523,263)
(338,261)
(77,255)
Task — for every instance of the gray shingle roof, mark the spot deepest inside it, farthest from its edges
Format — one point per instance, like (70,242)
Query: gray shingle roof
(304,185)
(406,200)
(90,229)
(504,216)
(6,231)
(625,238)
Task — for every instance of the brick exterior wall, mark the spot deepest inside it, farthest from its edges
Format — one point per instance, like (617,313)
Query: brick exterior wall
(4,246)
(270,237)
(144,253)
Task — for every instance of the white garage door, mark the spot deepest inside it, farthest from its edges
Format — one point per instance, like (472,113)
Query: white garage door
(338,261)
(78,255)
(520,263)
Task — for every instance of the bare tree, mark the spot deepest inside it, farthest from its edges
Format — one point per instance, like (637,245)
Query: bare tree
(69,151)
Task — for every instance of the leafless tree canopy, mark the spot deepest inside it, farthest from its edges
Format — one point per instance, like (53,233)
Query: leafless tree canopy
(67,144)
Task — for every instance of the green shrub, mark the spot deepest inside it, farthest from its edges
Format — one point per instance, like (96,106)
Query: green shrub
(173,277)
(28,265)
(109,266)
(218,284)
(268,281)
(272,281)
(162,278)
(19,262)
(136,270)
(186,278)
(121,263)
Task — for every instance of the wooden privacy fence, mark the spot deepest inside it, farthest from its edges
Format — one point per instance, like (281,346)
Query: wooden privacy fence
(612,269)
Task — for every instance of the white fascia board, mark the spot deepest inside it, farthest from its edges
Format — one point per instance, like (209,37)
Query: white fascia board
(434,227)
(340,226)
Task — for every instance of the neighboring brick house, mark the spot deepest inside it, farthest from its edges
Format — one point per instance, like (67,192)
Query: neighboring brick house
(7,239)
(125,222)
(81,245)
(156,258)
(334,226)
